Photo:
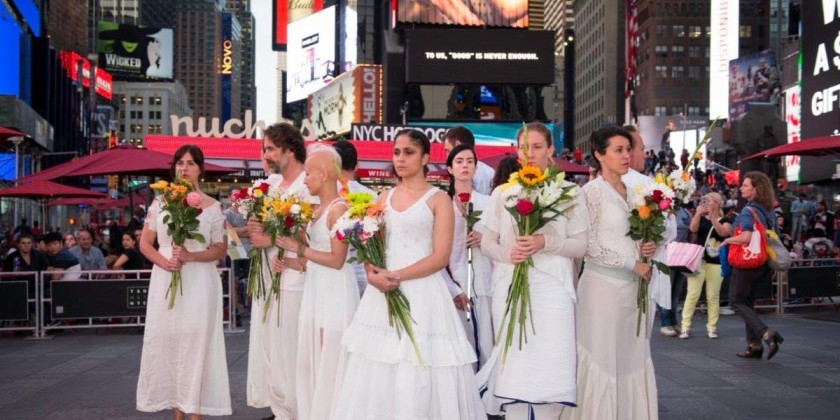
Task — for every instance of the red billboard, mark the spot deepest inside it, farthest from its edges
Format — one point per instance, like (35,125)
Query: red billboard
(284,13)
(507,13)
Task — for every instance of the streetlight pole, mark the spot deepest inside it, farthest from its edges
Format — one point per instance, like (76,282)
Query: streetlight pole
(16,140)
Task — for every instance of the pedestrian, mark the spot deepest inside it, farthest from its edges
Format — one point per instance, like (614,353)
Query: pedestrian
(758,191)
(483,173)
(537,380)
(709,228)
(183,365)
(384,377)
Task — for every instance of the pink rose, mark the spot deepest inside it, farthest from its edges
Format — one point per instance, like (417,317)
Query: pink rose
(665,204)
(194,200)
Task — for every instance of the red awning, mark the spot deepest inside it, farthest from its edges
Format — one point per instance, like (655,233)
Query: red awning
(45,189)
(819,146)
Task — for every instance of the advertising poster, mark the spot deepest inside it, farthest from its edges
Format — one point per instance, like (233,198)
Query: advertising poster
(724,47)
(131,52)
(510,13)
(752,78)
(310,60)
(793,118)
(353,97)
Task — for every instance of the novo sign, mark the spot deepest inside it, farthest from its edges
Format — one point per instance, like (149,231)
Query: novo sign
(232,128)
(227,57)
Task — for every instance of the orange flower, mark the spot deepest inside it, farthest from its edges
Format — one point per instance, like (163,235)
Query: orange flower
(375,209)
(686,176)
(644,212)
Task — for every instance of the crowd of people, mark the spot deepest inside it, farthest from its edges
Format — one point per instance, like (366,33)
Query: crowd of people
(323,347)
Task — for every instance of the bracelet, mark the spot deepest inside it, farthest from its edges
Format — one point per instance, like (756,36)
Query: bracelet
(301,248)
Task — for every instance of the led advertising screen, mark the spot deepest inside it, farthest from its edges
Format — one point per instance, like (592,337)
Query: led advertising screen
(511,13)
(724,47)
(752,78)
(793,117)
(491,56)
(285,12)
(131,52)
(310,62)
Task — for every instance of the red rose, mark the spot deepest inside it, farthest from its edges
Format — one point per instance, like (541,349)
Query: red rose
(464,197)
(198,211)
(656,196)
(264,187)
(524,207)
(289,222)
(184,202)
(243,193)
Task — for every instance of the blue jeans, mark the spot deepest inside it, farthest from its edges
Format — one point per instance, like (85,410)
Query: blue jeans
(668,317)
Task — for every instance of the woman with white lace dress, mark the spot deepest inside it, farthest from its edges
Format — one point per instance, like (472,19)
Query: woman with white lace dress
(384,378)
(330,291)
(615,371)
(537,380)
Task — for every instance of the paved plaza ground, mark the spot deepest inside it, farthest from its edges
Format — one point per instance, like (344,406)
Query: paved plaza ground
(92,375)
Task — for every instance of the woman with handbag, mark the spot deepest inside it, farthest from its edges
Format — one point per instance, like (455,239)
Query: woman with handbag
(746,276)
(710,228)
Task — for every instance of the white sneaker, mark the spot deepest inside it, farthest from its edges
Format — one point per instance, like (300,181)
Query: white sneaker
(684,335)
(668,331)
(713,334)
(726,311)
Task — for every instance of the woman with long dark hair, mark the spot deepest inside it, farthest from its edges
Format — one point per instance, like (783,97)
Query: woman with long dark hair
(758,191)
(183,365)
(461,164)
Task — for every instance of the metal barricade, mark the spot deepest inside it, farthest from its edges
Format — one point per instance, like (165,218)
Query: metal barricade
(19,297)
(100,296)
(816,280)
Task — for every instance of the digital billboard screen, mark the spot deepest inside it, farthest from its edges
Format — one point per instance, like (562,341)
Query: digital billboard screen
(310,59)
(131,52)
(491,56)
(510,13)
(752,78)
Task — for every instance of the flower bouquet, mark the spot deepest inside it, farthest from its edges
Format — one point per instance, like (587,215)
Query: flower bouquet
(182,203)
(653,201)
(249,203)
(283,214)
(682,183)
(533,198)
(362,227)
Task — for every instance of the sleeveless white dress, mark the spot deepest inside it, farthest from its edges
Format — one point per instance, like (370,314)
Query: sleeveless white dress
(384,379)
(330,298)
(615,373)
(183,363)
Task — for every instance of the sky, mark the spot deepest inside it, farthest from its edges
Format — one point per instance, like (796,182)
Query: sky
(266,66)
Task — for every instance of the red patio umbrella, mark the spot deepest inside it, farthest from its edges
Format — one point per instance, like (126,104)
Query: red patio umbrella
(75,201)
(819,146)
(119,161)
(47,189)
(563,165)
(127,201)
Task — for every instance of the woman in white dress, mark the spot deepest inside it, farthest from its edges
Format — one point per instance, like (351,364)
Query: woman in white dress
(183,365)
(330,291)
(461,166)
(538,380)
(384,378)
(615,371)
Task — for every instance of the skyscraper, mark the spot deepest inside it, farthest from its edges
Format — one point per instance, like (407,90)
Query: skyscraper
(247,61)
(67,25)
(599,66)
(198,44)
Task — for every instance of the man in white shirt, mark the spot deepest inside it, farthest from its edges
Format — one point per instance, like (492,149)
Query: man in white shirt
(483,178)
(660,283)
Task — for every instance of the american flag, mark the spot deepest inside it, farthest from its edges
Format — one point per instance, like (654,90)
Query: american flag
(631,47)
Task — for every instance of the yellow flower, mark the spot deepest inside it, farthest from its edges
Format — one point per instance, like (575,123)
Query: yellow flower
(160,185)
(644,212)
(257,192)
(686,176)
(660,179)
(531,176)
(513,178)
(180,189)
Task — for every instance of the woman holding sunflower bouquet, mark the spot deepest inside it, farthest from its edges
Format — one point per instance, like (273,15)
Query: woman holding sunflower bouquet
(536,376)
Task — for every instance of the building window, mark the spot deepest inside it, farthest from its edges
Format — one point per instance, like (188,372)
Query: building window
(678,50)
(676,110)
(694,51)
(156,100)
(659,111)
(693,110)
(122,99)
(708,31)
(693,72)
(746,31)
(661,51)
(679,31)
(661,30)
(122,115)
(707,52)
(695,31)
(677,72)
(662,71)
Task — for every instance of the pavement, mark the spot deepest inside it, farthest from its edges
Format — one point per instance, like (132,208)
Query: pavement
(92,375)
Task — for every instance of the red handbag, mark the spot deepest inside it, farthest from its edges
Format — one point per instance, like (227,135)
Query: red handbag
(752,254)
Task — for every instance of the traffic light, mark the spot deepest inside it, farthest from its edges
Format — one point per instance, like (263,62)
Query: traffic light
(112,139)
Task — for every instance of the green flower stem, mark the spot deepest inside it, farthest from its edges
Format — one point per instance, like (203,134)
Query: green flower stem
(274,291)
(256,287)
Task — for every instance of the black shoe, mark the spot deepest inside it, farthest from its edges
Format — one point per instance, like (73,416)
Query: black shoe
(271,417)
(773,343)
(751,352)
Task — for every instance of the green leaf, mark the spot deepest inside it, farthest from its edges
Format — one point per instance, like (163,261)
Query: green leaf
(662,267)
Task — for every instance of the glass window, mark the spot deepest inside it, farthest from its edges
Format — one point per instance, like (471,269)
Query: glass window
(676,110)
(662,71)
(679,31)
(661,51)
(695,31)
(661,30)
(694,51)
(746,31)
(659,111)
(694,72)
(694,110)
(677,71)
(678,50)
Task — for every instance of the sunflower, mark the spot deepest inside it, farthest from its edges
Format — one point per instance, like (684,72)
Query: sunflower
(531,176)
